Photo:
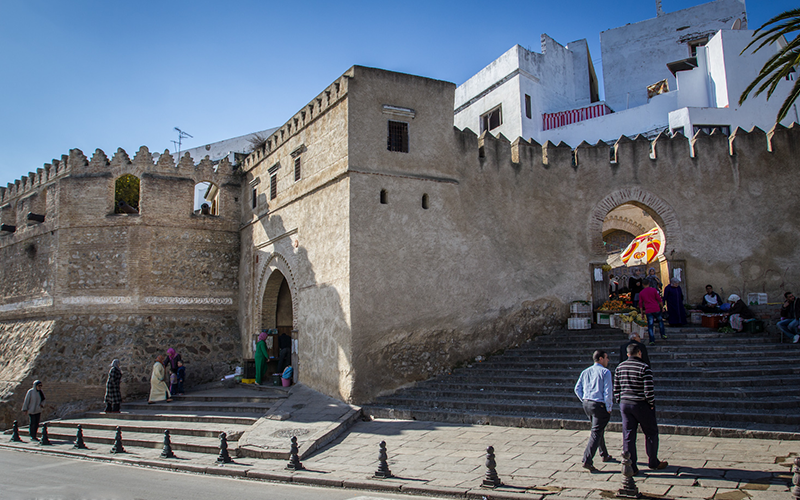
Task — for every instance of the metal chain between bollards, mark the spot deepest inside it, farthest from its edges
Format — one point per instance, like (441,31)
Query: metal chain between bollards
(383,471)
(294,459)
(491,480)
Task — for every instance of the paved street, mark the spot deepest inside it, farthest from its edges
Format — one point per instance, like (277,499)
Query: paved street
(29,475)
(448,460)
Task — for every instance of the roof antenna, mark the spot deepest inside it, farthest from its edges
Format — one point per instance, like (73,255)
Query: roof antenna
(181,135)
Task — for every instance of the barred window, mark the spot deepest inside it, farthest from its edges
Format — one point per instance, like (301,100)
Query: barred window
(398,137)
(273,186)
(297,169)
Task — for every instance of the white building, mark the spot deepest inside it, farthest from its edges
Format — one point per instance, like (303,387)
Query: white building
(692,55)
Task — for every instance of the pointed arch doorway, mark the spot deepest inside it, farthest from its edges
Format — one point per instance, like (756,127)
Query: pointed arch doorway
(277,311)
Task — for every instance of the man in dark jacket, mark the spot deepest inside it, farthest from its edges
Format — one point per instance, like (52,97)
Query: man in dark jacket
(790,318)
(634,339)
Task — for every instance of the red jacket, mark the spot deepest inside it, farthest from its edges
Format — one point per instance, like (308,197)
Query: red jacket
(650,300)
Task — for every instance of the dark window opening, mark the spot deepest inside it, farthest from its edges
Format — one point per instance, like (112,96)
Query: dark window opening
(700,42)
(384,197)
(255,197)
(297,169)
(273,186)
(398,137)
(492,119)
(425,201)
(527,106)
(708,129)
(126,195)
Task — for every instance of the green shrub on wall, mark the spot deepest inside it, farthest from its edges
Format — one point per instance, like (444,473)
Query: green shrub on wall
(126,189)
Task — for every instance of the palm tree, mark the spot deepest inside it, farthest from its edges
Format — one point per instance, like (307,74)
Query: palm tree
(781,64)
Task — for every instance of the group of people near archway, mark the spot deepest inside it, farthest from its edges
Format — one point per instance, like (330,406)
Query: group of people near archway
(167,378)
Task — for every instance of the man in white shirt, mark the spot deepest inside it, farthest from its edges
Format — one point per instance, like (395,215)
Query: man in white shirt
(595,390)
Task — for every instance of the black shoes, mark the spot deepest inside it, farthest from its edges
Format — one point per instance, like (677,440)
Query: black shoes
(661,465)
(590,467)
(609,458)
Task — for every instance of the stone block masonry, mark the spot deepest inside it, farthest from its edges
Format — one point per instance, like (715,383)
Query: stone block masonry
(88,285)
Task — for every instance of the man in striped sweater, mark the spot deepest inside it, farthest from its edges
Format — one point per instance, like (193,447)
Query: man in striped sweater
(633,390)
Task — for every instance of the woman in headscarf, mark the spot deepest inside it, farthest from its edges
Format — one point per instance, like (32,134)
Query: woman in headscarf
(174,357)
(673,296)
(738,312)
(262,357)
(113,394)
(33,406)
(653,279)
(158,385)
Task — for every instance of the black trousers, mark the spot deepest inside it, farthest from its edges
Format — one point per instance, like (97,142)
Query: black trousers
(635,414)
(112,407)
(35,418)
(599,416)
(284,358)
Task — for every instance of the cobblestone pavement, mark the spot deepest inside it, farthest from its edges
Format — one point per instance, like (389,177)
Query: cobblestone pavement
(442,459)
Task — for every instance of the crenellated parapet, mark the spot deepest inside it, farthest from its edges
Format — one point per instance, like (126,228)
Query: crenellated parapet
(675,149)
(311,112)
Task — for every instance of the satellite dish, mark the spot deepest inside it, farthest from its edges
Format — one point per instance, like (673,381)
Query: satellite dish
(737,24)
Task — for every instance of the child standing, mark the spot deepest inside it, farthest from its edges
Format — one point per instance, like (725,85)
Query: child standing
(181,377)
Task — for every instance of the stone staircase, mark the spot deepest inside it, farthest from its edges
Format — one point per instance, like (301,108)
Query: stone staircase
(194,420)
(707,383)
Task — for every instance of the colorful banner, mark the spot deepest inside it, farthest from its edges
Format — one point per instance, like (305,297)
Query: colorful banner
(644,249)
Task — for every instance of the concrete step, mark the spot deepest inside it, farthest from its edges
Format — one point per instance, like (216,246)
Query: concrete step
(240,418)
(192,444)
(198,427)
(200,407)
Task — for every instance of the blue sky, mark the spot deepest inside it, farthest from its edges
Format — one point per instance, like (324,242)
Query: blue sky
(111,74)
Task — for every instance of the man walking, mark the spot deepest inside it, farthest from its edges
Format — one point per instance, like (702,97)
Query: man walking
(650,304)
(634,339)
(633,390)
(594,389)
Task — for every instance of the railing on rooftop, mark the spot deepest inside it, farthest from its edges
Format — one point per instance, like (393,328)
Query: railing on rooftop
(561,118)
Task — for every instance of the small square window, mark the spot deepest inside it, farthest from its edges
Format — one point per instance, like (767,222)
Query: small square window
(492,119)
(273,186)
(693,44)
(297,169)
(398,137)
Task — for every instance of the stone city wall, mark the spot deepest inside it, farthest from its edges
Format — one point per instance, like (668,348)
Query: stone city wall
(88,285)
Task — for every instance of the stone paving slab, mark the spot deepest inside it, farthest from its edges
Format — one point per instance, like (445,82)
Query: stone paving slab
(447,460)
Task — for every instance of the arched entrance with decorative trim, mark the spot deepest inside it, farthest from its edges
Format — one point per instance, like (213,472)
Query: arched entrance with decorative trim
(616,213)
(276,309)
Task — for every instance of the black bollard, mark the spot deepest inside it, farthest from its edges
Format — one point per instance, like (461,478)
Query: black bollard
(223,457)
(45,440)
(383,471)
(492,480)
(118,448)
(79,444)
(796,479)
(294,460)
(628,489)
(167,451)
(15,433)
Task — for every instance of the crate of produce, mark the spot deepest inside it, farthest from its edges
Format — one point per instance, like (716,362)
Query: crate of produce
(696,318)
(579,323)
(627,327)
(711,321)
(603,318)
(614,321)
(580,309)
(756,299)
(754,326)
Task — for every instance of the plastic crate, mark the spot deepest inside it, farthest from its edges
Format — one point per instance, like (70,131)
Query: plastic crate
(754,326)
(579,323)
(711,321)
(757,298)
(603,318)
(579,309)
(614,321)
(626,327)
(697,318)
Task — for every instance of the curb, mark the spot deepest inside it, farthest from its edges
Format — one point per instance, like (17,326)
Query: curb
(299,477)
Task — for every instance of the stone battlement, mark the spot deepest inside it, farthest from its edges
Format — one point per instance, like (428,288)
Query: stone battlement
(76,163)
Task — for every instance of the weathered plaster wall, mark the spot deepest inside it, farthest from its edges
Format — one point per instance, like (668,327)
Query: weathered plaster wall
(635,55)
